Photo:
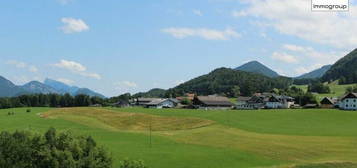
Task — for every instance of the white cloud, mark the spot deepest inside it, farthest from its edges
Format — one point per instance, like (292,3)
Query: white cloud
(284,57)
(32,68)
(72,25)
(23,65)
(208,34)
(294,17)
(319,57)
(197,12)
(239,13)
(76,68)
(66,81)
(71,65)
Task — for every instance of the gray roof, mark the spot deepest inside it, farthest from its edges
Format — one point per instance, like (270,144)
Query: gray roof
(349,95)
(215,100)
(242,98)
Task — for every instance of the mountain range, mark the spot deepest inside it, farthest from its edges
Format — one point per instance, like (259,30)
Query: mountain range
(9,89)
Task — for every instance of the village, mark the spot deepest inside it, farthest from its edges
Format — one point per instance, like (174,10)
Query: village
(257,101)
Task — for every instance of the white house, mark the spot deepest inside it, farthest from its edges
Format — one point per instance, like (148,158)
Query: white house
(349,102)
(161,103)
(275,102)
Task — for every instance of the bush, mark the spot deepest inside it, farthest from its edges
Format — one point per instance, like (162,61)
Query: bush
(55,150)
(132,164)
(28,110)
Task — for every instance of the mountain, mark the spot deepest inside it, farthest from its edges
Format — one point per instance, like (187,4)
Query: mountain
(344,70)
(151,93)
(317,73)
(38,87)
(227,81)
(73,90)
(88,92)
(61,87)
(257,67)
(8,89)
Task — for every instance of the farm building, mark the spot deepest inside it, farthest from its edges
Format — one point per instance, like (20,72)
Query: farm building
(250,103)
(161,103)
(121,103)
(266,100)
(327,102)
(212,102)
(276,101)
(349,102)
(144,101)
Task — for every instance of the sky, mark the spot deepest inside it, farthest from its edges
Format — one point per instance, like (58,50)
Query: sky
(119,46)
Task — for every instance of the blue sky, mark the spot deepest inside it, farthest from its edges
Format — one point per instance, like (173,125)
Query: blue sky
(117,46)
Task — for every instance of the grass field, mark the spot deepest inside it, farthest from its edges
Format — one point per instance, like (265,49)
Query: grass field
(336,90)
(180,138)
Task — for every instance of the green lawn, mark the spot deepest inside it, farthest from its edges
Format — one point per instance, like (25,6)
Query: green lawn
(336,90)
(207,139)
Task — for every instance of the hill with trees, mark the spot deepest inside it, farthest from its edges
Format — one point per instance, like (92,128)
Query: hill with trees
(317,73)
(156,92)
(229,82)
(344,70)
(257,67)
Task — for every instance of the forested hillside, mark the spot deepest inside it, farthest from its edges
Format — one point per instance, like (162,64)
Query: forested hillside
(344,70)
(230,82)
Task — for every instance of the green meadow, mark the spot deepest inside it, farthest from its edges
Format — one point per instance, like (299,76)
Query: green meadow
(336,90)
(179,138)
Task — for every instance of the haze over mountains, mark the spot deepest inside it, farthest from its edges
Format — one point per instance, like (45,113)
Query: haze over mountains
(9,89)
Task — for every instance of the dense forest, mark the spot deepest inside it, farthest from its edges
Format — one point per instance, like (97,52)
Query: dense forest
(229,82)
(49,100)
(344,70)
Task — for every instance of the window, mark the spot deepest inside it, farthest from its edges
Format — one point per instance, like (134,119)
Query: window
(347,100)
(346,105)
(354,100)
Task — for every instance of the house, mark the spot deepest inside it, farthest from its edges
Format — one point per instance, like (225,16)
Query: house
(144,101)
(348,102)
(161,103)
(212,102)
(281,102)
(188,96)
(121,104)
(327,102)
(242,102)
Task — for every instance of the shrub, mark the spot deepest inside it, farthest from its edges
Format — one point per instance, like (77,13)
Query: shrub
(28,110)
(132,164)
(55,150)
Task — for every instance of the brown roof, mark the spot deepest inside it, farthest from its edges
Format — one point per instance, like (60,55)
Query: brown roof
(215,100)
(349,95)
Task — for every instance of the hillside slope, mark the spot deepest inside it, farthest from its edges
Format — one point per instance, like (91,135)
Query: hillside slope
(257,67)
(344,70)
(38,87)
(317,73)
(8,89)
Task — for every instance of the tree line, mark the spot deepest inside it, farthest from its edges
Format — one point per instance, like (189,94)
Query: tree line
(49,100)
(22,149)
